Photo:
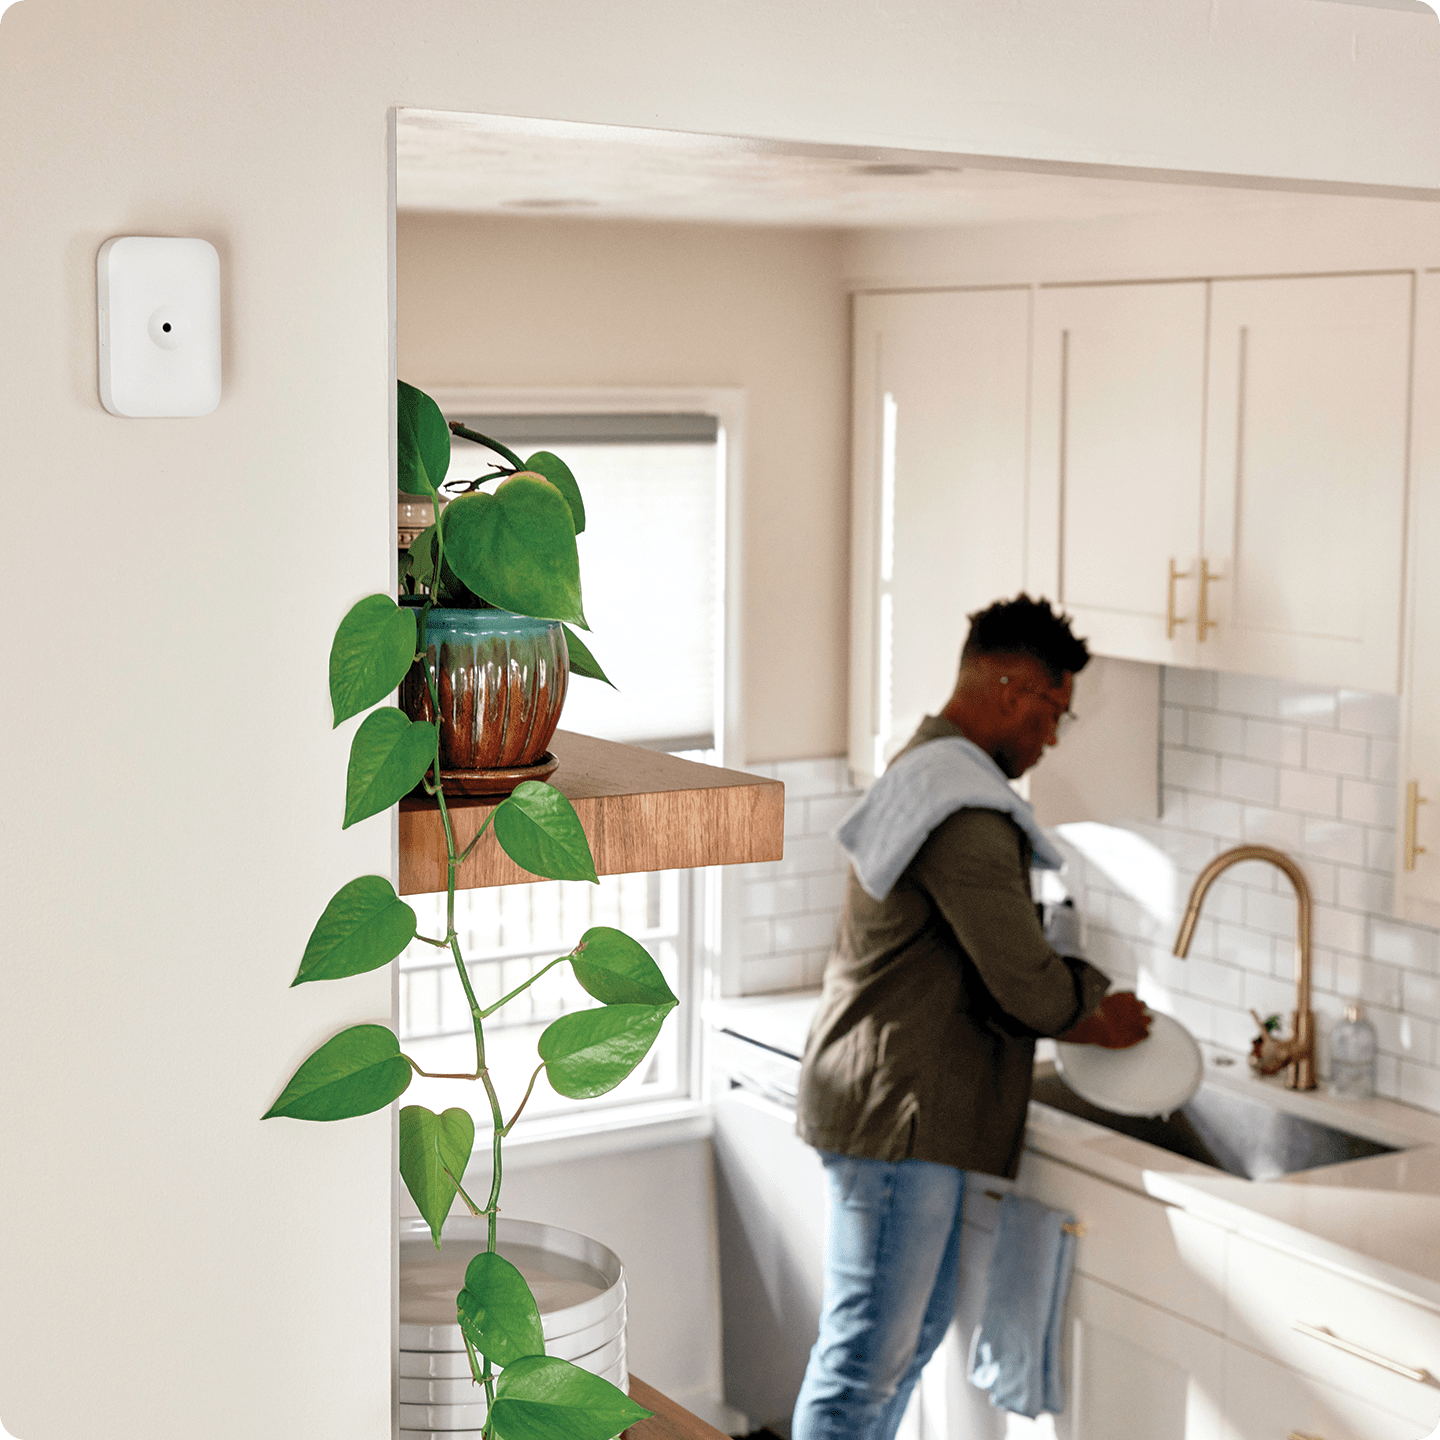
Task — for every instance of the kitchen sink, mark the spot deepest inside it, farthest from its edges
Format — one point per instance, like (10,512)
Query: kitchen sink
(1239,1134)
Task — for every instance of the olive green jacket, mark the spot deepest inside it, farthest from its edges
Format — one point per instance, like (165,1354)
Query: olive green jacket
(924,1041)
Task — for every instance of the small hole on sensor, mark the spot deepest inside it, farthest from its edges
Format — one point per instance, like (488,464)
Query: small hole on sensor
(166,327)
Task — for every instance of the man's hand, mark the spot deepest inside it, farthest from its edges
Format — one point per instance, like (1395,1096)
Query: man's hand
(1121,1021)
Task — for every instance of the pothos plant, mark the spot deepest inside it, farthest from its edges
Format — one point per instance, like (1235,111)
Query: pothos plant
(366,925)
(512,548)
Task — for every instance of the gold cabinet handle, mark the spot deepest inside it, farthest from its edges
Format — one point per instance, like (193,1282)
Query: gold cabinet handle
(1319,1332)
(1303,1435)
(1205,623)
(1413,801)
(1171,618)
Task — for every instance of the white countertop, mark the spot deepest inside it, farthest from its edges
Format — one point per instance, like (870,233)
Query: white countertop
(1376,1217)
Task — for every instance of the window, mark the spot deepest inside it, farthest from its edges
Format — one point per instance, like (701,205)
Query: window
(649,564)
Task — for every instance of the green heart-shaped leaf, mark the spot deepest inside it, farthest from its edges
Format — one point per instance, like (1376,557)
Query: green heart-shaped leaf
(431,1145)
(497,1312)
(517,548)
(582,662)
(618,970)
(543,1398)
(422,556)
(365,925)
(422,442)
(557,472)
(388,758)
(356,1072)
(373,649)
(537,827)
(589,1052)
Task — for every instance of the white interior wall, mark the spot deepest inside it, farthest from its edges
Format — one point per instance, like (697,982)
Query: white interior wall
(171,791)
(529,302)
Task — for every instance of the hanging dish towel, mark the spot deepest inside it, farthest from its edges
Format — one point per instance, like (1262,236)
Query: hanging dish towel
(1015,1352)
(924,786)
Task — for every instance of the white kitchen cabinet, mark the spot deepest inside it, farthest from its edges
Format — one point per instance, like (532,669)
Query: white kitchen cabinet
(1265,1401)
(1417,858)
(1334,1329)
(1305,475)
(940,394)
(1133,1371)
(1219,471)
(1116,444)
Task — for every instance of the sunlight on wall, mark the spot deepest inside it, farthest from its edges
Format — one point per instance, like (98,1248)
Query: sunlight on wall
(1131,863)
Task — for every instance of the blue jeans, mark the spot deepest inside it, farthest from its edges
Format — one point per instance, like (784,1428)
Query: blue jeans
(892,1267)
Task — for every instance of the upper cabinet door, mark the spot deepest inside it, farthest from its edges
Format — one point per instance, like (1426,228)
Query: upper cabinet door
(1116,443)
(1305,473)
(939,496)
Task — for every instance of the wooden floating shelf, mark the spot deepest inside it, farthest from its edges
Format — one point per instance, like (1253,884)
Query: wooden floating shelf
(641,810)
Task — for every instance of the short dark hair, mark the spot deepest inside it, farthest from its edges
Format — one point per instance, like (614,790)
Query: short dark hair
(1023,626)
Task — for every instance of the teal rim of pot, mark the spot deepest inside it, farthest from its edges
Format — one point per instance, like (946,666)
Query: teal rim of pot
(485,622)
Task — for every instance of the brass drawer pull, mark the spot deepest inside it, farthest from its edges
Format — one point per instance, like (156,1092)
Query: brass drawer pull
(1171,618)
(1303,1435)
(1413,801)
(1319,1332)
(1205,623)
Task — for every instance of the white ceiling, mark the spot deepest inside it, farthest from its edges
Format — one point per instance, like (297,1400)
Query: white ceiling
(488,165)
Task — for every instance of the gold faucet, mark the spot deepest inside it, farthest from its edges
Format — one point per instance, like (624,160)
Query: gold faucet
(1298,1052)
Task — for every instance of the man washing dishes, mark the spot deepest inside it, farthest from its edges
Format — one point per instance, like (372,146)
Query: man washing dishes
(918,1063)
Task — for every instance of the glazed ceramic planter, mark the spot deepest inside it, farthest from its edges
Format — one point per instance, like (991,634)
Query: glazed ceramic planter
(502,681)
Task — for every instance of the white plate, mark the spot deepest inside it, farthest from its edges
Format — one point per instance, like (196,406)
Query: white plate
(462,1390)
(452,1364)
(1154,1077)
(459,1422)
(577,1282)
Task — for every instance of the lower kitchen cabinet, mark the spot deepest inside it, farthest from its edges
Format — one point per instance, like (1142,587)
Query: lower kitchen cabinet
(1265,1401)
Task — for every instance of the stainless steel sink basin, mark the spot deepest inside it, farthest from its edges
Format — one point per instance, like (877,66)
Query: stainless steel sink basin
(1235,1133)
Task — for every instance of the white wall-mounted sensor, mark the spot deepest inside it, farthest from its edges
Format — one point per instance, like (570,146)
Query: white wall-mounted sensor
(159,326)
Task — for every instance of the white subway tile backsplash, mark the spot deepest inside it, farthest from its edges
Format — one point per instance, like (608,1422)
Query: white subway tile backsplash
(1370,714)
(1274,742)
(825,893)
(1191,770)
(772,897)
(803,932)
(1221,734)
(790,907)
(1332,840)
(1363,890)
(1249,949)
(1215,816)
(1337,753)
(1248,780)
(1244,759)
(1310,706)
(1384,759)
(1312,772)
(1262,826)
(1247,695)
(1309,792)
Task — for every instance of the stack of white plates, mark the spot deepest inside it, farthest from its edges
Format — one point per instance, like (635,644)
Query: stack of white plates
(579,1286)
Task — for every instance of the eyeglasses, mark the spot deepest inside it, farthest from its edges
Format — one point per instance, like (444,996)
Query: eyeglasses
(1064,718)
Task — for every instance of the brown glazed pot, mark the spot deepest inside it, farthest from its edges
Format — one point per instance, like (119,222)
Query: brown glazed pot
(502,681)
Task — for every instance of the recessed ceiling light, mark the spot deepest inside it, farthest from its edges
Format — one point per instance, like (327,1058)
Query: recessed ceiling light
(550,202)
(900,169)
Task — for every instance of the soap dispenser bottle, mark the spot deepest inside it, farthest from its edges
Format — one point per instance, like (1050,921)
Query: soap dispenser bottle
(1352,1056)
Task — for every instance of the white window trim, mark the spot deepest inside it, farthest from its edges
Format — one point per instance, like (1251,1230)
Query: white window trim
(661,1121)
